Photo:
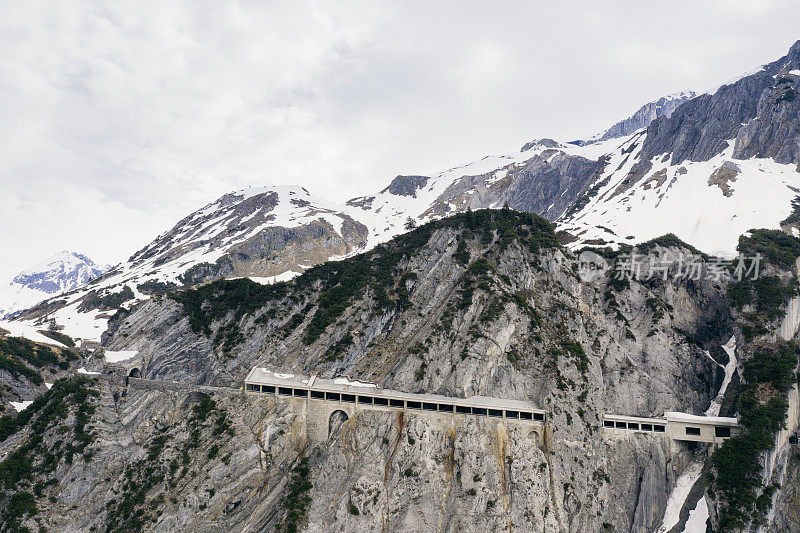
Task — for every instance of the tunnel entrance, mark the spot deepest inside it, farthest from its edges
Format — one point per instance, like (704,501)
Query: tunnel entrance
(337,418)
(135,373)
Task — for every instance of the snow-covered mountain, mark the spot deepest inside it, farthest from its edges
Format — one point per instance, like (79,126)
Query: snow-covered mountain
(706,168)
(259,231)
(721,164)
(267,233)
(55,275)
(274,233)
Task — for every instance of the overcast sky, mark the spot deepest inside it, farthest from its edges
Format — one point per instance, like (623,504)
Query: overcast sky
(117,120)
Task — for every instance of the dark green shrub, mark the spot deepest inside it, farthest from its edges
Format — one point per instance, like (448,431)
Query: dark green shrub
(20,505)
(773,366)
(575,350)
(153,287)
(775,246)
(104,300)
(213,450)
(64,339)
(215,300)
(461,255)
(740,293)
(670,240)
(619,283)
(737,463)
(297,499)
(771,293)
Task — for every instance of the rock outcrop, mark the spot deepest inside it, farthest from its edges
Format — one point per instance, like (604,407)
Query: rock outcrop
(758,112)
(663,107)
(484,303)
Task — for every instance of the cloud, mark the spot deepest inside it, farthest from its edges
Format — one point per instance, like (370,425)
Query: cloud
(119,118)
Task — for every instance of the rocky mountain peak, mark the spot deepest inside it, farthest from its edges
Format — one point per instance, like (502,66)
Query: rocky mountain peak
(225,235)
(646,114)
(794,52)
(59,273)
(717,157)
(545,142)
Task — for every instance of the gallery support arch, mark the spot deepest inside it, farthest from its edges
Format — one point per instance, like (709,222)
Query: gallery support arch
(335,421)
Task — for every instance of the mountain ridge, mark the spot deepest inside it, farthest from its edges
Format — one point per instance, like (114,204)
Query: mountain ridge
(602,193)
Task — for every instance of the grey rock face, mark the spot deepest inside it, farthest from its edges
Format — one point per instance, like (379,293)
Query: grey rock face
(759,111)
(787,505)
(406,185)
(663,107)
(546,184)
(276,249)
(775,131)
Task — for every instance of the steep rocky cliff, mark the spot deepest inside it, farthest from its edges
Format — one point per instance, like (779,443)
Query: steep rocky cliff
(481,303)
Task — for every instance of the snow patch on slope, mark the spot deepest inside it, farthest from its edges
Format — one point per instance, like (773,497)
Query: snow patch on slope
(269,280)
(27,331)
(679,494)
(697,518)
(21,406)
(685,204)
(120,355)
(730,368)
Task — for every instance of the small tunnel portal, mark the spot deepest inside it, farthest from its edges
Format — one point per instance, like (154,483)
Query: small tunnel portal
(335,421)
